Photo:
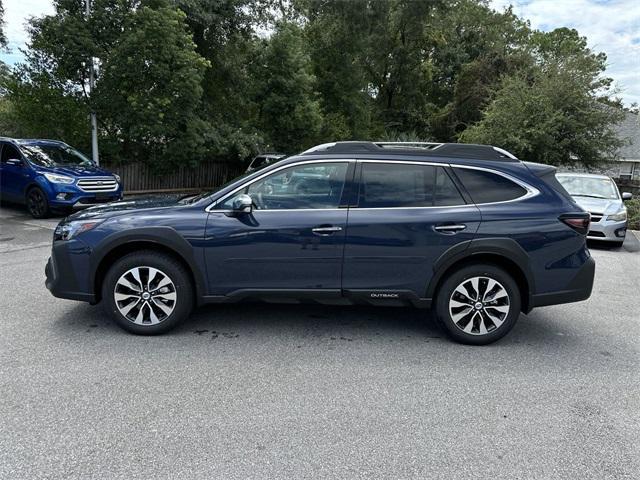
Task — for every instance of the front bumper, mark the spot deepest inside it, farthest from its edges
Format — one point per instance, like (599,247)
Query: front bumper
(578,289)
(71,196)
(67,272)
(608,231)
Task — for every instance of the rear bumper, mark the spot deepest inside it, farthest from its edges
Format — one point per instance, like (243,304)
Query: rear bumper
(578,289)
(61,278)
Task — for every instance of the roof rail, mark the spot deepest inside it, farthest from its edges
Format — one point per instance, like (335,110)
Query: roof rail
(466,150)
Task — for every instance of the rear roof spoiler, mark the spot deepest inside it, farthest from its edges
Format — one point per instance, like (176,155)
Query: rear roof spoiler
(540,169)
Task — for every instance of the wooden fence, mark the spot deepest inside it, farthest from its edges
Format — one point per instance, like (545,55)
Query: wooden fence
(138,178)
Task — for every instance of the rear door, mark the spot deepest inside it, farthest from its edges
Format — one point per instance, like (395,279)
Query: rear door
(406,215)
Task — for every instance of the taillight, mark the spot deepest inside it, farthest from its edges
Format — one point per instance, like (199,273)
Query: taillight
(578,221)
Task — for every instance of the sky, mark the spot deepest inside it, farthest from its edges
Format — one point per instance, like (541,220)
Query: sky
(611,26)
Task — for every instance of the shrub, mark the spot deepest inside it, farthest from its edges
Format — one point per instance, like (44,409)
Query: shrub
(633,211)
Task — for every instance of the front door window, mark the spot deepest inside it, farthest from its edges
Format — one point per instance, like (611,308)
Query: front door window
(307,186)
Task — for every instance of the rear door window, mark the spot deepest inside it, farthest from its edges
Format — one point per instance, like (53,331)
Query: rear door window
(488,187)
(397,185)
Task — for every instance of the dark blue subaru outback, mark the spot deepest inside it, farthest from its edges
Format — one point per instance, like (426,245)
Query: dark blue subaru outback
(466,229)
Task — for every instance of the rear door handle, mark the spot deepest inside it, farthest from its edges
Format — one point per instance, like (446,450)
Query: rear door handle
(326,230)
(449,229)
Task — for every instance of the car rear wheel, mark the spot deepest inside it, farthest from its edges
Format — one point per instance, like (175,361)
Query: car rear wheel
(37,203)
(148,293)
(478,304)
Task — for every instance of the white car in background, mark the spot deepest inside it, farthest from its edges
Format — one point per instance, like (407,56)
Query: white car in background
(599,195)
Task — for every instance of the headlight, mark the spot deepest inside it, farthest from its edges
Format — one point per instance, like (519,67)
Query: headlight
(117,177)
(55,178)
(620,216)
(67,231)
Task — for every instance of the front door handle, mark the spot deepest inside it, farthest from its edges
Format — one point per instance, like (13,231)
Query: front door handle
(326,230)
(449,229)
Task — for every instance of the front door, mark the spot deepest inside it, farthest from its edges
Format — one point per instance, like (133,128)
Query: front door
(293,239)
(13,178)
(407,215)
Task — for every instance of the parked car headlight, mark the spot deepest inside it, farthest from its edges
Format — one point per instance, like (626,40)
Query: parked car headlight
(67,231)
(55,178)
(618,216)
(117,177)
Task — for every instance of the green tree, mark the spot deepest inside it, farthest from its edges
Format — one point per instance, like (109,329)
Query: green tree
(224,34)
(558,110)
(229,77)
(474,48)
(148,88)
(288,111)
(3,37)
(372,62)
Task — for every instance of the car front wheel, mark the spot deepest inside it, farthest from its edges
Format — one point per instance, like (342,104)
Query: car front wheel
(37,203)
(148,293)
(478,304)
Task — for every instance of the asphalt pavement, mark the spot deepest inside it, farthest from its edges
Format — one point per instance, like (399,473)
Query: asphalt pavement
(301,391)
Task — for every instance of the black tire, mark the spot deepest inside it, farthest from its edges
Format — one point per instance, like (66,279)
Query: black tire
(37,203)
(169,267)
(494,331)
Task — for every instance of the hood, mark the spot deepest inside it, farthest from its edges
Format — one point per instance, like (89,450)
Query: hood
(126,206)
(599,205)
(77,170)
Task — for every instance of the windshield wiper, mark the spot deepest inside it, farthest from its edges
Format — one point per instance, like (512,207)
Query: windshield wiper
(587,196)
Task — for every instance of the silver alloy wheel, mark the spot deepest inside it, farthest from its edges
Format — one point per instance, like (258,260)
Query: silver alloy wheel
(479,305)
(145,295)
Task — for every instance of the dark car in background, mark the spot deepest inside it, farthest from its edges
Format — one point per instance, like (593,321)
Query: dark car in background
(50,176)
(469,230)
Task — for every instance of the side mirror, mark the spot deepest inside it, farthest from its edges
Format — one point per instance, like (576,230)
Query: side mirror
(14,161)
(243,204)
(627,196)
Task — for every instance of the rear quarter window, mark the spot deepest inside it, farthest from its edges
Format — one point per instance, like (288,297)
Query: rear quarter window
(488,187)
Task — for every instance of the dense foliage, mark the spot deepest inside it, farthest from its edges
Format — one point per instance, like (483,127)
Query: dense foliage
(183,80)
(3,37)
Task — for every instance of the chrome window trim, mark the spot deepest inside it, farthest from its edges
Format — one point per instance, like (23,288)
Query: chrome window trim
(344,209)
(531,191)
(211,208)
(405,162)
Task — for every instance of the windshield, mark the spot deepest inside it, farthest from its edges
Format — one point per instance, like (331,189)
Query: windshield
(589,187)
(49,155)
(195,198)
(260,162)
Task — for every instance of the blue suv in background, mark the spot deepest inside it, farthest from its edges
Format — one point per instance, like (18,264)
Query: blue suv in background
(468,230)
(48,176)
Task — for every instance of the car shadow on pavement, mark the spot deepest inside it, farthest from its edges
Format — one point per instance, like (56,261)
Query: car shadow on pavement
(264,323)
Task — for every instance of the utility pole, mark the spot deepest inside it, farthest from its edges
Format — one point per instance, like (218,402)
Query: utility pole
(94,120)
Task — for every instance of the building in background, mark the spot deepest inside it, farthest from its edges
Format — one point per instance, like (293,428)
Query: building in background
(625,170)
(628,165)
